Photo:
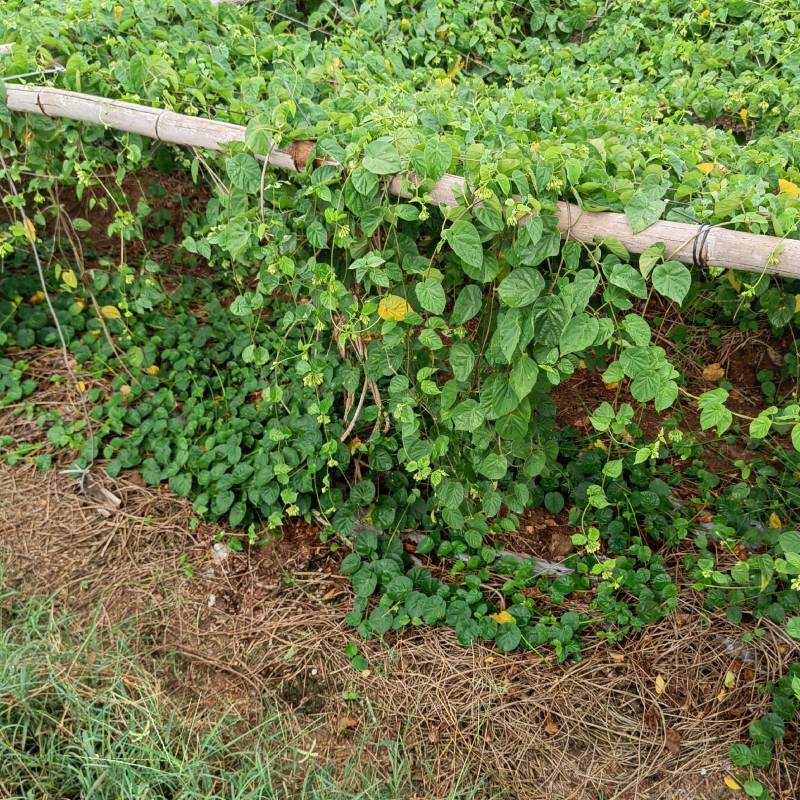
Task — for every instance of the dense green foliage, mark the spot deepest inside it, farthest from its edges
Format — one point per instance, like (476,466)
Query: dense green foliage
(386,366)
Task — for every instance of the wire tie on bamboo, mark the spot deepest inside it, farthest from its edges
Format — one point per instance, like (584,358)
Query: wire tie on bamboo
(699,254)
(158,119)
(699,241)
(39,103)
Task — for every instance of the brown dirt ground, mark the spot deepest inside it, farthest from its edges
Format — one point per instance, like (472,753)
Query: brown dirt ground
(266,629)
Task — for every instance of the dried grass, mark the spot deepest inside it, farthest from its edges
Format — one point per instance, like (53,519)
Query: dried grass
(268,628)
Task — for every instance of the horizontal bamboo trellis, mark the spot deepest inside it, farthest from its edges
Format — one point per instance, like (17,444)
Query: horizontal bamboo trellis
(713,247)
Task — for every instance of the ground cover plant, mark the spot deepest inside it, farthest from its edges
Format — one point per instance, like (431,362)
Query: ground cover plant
(314,347)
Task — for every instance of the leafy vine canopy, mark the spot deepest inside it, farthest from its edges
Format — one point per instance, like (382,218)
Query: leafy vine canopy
(320,346)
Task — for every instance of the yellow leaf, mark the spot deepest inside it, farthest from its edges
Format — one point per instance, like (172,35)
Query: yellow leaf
(797,304)
(732,784)
(502,618)
(775,521)
(393,307)
(618,657)
(36,298)
(733,282)
(611,386)
(730,680)
(30,230)
(456,68)
(70,278)
(707,166)
(81,386)
(489,659)
(152,369)
(787,187)
(661,684)
(117,12)
(713,372)
(744,114)
(110,312)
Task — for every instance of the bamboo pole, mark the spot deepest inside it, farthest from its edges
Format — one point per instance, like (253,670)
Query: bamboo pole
(717,247)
